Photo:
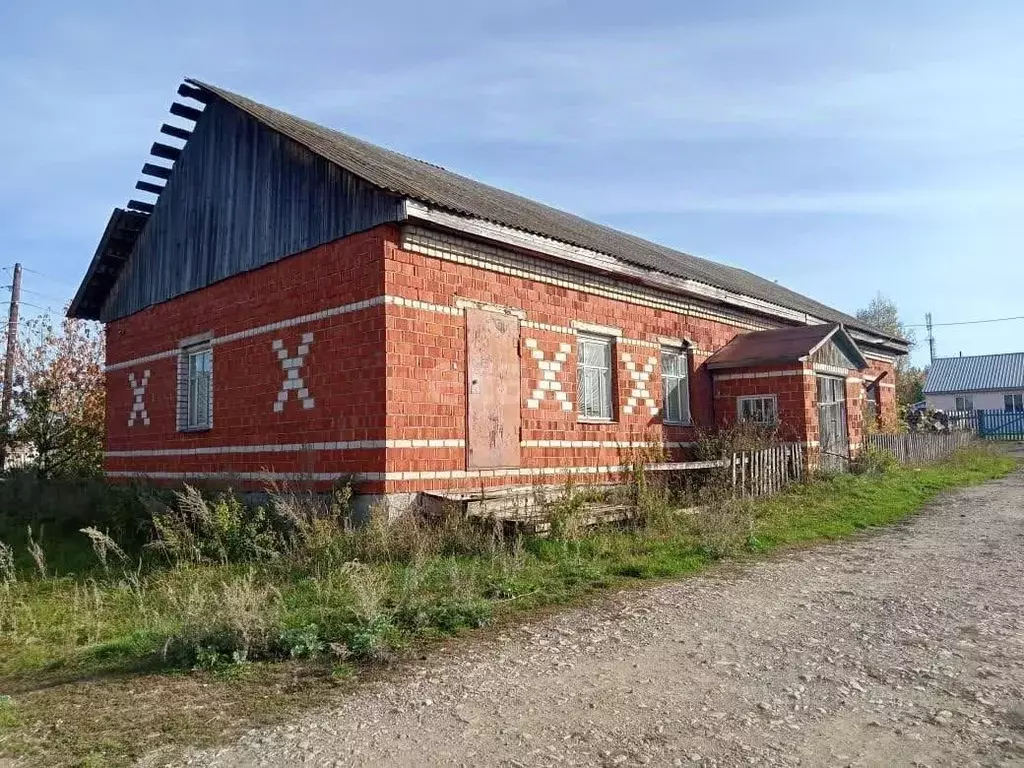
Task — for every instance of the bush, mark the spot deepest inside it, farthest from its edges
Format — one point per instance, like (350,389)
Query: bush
(722,524)
(221,530)
(230,622)
(873,461)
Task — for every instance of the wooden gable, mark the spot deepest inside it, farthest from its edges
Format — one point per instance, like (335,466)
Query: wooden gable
(240,196)
(838,351)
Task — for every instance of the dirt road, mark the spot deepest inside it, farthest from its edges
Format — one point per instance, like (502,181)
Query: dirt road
(902,647)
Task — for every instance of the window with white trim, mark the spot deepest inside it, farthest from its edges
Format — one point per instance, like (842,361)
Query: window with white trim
(964,403)
(195,388)
(1014,403)
(762,409)
(594,377)
(675,386)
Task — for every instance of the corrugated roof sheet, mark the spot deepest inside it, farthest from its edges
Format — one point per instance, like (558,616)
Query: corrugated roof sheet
(435,186)
(776,347)
(979,372)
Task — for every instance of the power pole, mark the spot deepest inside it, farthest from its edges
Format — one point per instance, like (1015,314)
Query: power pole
(931,337)
(12,350)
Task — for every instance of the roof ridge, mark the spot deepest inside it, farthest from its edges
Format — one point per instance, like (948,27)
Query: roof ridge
(969,357)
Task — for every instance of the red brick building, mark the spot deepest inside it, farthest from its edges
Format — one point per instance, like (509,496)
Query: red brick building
(297,303)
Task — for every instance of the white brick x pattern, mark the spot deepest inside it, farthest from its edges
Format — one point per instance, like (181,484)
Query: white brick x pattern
(138,411)
(548,371)
(292,369)
(639,380)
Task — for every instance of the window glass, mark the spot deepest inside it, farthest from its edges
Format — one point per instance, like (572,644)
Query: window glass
(197,388)
(759,410)
(675,386)
(593,377)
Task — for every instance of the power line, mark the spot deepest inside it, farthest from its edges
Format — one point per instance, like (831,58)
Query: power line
(48,277)
(968,322)
(40,294)
(46,310)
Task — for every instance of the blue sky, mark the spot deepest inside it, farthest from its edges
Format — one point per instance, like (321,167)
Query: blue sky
(842,148)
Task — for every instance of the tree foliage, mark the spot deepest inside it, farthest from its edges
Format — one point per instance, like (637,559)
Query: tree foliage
(883,314)
(58,398)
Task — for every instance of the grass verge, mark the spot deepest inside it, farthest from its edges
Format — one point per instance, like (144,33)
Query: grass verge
(100,666)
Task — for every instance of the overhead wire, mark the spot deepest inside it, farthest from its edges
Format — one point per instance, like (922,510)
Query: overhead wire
(967,322)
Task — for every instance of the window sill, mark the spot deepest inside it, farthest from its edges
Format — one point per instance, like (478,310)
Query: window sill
(668,423)
(195,429)
(593,420)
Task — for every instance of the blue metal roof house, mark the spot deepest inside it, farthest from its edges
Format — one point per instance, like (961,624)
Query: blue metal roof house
(979,382)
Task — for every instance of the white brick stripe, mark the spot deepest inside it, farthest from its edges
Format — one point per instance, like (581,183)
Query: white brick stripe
(759,375)
(546,327)
(455,474)
(352,445)
(401,301)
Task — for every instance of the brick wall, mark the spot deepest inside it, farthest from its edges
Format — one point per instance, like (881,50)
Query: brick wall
(426,382)
(343,370)
(385,371)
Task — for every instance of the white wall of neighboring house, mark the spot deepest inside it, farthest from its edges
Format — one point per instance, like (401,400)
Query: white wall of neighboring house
(983,401)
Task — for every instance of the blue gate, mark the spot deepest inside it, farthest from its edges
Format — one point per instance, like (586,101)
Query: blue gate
(1001,425)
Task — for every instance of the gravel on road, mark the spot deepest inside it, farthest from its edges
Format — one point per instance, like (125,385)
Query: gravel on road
(903,646)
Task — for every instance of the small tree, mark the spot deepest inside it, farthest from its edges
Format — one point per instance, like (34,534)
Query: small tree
(883,314)
(59,402)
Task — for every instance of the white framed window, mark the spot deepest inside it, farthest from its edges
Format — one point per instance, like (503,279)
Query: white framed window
(195,388)
(675,386)
(594,377)
(964,403)
(1014,403)
(762,409)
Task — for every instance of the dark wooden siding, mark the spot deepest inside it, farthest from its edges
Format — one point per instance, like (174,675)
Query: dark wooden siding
(240,197)
(831,354)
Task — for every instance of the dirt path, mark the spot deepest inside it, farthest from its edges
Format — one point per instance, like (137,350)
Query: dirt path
(903,647)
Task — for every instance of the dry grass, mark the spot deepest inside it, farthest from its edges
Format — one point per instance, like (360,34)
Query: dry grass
(88,644)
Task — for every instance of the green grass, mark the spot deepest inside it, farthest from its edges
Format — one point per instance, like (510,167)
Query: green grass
(85,643)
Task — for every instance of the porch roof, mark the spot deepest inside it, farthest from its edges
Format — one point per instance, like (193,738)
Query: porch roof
(784,345)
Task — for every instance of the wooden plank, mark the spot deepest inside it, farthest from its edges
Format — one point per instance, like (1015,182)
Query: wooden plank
(165,151)
(158,171)
(742,473)
(173,130)
(675,466)
(190,92)
(146,186)
(138,205)
(189,113)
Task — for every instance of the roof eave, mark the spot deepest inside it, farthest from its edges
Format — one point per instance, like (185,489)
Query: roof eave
(520,240)
(118,218)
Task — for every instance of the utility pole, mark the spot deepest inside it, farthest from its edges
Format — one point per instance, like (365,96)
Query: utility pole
(12,350)
(931,337)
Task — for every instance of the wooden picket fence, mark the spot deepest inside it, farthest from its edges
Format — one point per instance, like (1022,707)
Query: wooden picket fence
(768,471)
(921,447)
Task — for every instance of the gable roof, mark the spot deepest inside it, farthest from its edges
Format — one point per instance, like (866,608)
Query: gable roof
(434,186)
(783,346)
(975,374)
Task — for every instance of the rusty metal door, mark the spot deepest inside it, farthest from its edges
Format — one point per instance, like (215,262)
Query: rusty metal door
(492,387)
